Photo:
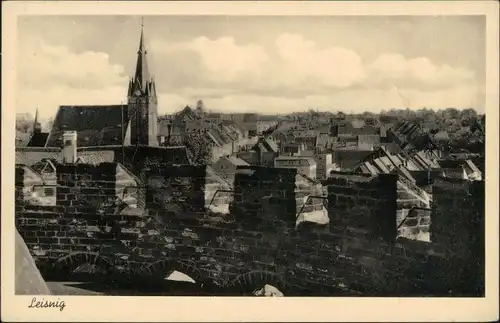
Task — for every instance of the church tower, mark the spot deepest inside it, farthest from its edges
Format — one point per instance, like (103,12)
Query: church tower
(37,127)
(142,102)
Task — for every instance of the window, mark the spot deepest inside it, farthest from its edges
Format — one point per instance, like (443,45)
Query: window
(49,191)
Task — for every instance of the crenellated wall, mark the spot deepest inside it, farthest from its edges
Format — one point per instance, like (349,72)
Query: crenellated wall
(256,244)
(365,202)
(458,223)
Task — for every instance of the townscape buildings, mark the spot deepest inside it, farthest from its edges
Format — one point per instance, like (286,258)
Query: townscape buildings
(111,184)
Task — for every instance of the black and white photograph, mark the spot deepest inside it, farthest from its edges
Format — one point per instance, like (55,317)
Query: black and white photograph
(243,155)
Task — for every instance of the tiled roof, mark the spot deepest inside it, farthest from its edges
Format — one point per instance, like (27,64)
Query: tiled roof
(217,137)
(97,157)
(31,155)
(95,125)
(271,144)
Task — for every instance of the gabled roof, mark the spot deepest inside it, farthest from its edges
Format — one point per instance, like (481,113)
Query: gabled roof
(95,125)
(38,140)
(266,144)
(45,166)
(217,137)
(236,161)
(184,115)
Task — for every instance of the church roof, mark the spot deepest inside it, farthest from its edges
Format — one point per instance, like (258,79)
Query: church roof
(38,139)
(95,125)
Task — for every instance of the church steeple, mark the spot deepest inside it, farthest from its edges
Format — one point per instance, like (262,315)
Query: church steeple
(141,70)
(142,101)
(37,127)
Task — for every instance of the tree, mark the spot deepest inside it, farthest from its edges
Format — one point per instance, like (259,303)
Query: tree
(199,149)
(24,124)
(468,114)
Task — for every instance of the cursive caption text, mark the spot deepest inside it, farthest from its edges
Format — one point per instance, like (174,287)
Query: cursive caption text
(42,303)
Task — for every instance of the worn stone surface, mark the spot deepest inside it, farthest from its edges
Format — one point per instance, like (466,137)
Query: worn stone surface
(28,280)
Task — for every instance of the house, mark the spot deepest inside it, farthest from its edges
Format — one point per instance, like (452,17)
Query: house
(325,165)
(226,166)
(293,148)
(266,150)
(36,184)
(325,142)
(305,165)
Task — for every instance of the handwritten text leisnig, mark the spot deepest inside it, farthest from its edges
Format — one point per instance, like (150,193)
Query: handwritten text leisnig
(42,303)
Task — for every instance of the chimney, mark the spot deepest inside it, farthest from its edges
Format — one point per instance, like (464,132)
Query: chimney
(69,147)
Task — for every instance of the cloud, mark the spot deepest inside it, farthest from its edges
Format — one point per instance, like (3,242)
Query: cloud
(421,71)
(292,66)
(47,65)
(50,76)
(291,73)
(301,61)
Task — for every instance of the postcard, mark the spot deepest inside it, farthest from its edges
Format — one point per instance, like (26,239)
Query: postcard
(182,161)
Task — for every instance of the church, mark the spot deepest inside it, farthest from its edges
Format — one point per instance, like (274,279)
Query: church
(134,123)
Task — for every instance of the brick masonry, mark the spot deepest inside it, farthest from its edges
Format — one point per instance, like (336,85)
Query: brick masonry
(367,203)
(252,245)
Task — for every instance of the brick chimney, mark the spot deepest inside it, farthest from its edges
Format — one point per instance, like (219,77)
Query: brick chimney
(69,147)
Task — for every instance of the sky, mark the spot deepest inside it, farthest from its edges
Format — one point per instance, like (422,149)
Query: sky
(258,64)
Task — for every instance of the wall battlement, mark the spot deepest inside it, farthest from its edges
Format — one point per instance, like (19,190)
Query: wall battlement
(251,246)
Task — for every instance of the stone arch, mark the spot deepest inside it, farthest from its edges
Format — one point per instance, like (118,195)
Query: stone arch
(162,268)
(65,266)
(251,281)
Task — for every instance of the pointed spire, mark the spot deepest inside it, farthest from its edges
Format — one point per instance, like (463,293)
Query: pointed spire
(37,127)
(141,70)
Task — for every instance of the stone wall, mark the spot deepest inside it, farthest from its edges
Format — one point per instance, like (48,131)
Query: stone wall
(364,202)
(458,223)
(86,185)
(176,189)
(252,246)
(264,197)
